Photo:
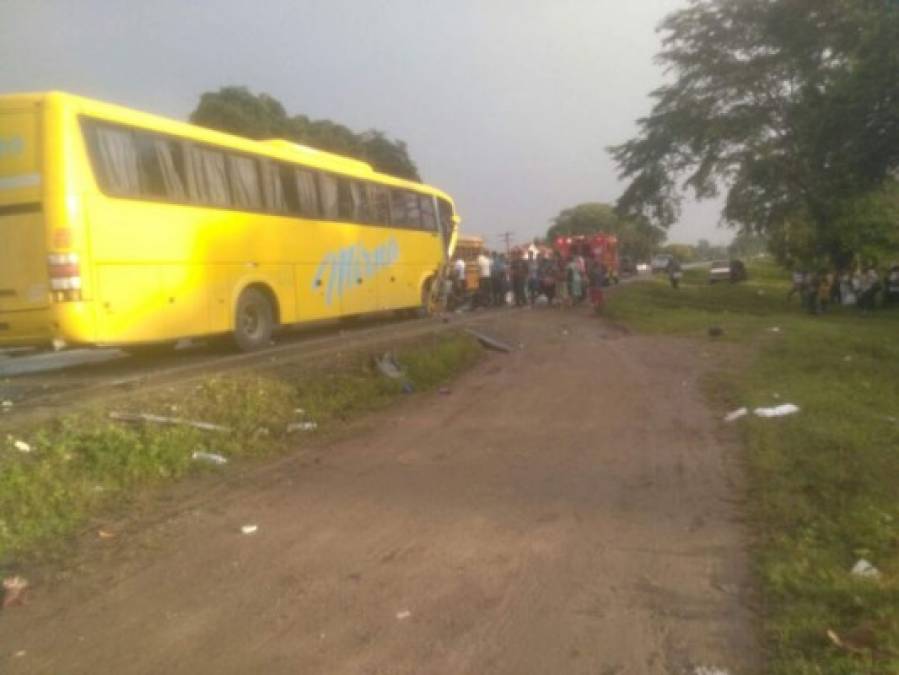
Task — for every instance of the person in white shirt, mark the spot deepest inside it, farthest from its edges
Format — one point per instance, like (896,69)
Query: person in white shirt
(485,266)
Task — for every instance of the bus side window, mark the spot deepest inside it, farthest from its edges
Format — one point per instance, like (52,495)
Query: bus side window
(379,201)
(114,159)
(272,189)
(307,189)
(328,185)
(211,176)
(161,166)
(245,186)
(404,210)
(428,217)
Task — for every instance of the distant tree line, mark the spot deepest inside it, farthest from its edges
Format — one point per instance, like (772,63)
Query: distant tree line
(792,108)
(237,110)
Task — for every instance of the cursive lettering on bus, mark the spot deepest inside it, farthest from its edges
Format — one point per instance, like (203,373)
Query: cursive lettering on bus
(339,270)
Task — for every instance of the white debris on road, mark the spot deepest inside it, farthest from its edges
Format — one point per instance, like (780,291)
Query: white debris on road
(249,529)
(777,411)
(211,457)
(736,414)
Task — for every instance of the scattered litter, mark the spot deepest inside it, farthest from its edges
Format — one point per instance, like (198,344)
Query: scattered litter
(445,391)
(489,342)
(19,654)
(709,670)
(777,411)
(716,331)
(6,404)
(736,414)
(848,358)
(249,529)
(14,591)
(299,411)
(405,614)
(408,388)
(388,366)
(774,329)
(105,534)
(211,457)
(302,426)
(21,446)
(174,421)
(865,569)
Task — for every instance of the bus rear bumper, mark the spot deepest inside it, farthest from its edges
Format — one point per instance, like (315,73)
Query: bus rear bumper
(70,323)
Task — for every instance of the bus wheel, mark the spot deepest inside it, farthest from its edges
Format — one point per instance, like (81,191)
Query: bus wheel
(253,320)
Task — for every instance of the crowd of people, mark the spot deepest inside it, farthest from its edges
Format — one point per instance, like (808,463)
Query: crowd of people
(526,279)
(862,288)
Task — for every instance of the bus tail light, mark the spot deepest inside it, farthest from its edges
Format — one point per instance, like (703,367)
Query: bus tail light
(65,276)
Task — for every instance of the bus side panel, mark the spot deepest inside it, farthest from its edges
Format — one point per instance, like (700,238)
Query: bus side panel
(131,303)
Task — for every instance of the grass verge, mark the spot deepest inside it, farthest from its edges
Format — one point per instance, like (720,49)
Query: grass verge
(824,483)
(84,464)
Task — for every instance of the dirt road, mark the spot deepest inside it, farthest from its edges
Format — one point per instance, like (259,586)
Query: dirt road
(569,508)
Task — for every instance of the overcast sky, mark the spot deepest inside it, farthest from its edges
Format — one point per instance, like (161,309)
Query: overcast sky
(508,105)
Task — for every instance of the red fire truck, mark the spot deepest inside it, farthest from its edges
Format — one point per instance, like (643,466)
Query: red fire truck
(600,247)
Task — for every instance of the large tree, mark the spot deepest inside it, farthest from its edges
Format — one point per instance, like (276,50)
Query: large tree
(791,106)
(638,238)
(238,111)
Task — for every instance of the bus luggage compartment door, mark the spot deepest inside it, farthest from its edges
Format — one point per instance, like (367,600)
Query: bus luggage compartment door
(23,254)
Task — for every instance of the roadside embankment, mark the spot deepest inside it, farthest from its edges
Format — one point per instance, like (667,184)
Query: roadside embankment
(55,476)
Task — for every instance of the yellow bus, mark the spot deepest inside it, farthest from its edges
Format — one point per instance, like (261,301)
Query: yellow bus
(123,228)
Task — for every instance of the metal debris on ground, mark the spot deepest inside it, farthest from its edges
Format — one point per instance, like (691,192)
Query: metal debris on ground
(210,457)
(105,534)
(866,570)
(715,331)
(388,366)
(445,391)
(489,342)
(777,411)
(302,426)
(173,421)
(403,615)
(709,670)
(14,591)
(736,414)
(249,529)
(408,388)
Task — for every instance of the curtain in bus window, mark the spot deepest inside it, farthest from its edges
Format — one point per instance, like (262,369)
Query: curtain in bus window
(170,160)
(379,200)
(328,185)
(404,209)
(360,202)
(274,190)
(118,160)
(344,200)
(428,217)
(212,177)
(245,181)
(308,193)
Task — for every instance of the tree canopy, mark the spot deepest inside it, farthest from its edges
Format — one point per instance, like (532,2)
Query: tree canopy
(791,106)
(238,111)
(637,237)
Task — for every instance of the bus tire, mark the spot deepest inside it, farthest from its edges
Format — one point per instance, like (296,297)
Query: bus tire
(254,320)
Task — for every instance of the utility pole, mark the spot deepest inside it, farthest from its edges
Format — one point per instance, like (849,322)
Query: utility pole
(507,239)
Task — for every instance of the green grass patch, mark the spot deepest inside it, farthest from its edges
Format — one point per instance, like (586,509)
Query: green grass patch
(85,464)
(824,483)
